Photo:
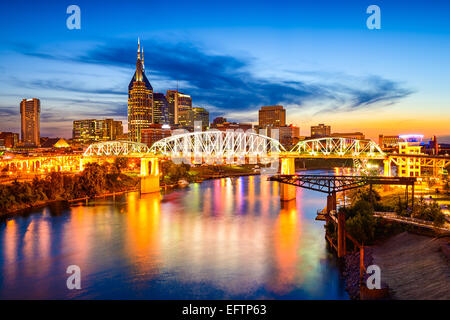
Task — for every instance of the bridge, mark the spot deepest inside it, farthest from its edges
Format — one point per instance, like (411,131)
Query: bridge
(228,147)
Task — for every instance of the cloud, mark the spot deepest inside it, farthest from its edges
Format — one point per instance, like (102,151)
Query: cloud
(225,82)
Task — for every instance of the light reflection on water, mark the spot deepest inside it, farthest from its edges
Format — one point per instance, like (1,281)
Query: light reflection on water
(225,238)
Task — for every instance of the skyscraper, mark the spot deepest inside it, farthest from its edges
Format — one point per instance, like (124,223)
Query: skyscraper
(201,114)
(272,116)
(179,105)
(160,109)
(30,110)
(140,100)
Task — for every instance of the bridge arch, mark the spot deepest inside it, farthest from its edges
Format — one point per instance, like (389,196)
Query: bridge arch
(216,144)
(116,148)
(339,147)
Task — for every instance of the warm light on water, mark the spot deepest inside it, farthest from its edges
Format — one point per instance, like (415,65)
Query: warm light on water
(227,238)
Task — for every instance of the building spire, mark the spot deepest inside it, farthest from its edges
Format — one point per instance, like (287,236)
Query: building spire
(139,50)
(143,65)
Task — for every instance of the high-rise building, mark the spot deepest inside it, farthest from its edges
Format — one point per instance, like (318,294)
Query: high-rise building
(160,109)
(178,102)
(154,133)
(186,118)
(92,130)
(9,139)
(272,116)
(114,129)
(30,110)
(201,114)
(320,131)
(140,100)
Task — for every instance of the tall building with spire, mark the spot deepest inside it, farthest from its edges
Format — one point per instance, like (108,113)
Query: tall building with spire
(140,100)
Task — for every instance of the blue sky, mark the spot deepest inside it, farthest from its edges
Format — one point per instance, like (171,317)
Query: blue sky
(317,58)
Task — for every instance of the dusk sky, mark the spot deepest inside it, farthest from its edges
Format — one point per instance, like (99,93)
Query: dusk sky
(316,58)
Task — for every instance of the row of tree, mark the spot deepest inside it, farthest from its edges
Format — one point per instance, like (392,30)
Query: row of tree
(94,180)
(365,228)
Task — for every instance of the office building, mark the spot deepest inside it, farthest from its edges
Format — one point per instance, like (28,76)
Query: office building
(201,114)
(160,109)
(154,133)
(30,110)
(140,100)
(272,116)
(93,130)
(179,104)
(9,139)
(320,131)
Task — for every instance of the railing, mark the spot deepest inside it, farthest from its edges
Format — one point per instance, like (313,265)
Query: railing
(414,221)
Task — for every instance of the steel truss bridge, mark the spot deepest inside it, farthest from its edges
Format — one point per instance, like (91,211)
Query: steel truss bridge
(216,146)
(333,184)
(335,147)
(116,148)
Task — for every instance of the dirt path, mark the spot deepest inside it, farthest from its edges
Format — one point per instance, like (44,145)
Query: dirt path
(414,267)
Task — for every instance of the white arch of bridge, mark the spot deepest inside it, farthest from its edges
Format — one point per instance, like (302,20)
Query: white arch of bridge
(217,143)
(116,148)
(336,146)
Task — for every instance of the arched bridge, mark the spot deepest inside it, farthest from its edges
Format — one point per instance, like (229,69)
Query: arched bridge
(116,148)
(218,146)
(338,147)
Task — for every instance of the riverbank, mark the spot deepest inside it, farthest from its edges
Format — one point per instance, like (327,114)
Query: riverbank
(413,267)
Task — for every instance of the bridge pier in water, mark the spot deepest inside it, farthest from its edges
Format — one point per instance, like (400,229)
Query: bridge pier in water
(149,175)
(287,168)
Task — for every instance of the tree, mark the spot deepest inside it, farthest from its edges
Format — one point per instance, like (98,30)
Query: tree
(120,163)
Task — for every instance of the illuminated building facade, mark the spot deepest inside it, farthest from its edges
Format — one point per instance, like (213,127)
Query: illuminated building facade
(201,114)
(160,109)
(272,116)
(179,105)
(154,133)
(9,139)
(411,167)
(92,130)
(30,110)
(140,100)
(320,130)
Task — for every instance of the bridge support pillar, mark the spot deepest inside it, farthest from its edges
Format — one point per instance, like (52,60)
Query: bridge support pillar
(288,168)
(341,234)
(149,175)
(387,168)
(331,202)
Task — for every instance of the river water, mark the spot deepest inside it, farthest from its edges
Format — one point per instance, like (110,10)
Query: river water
(220,239)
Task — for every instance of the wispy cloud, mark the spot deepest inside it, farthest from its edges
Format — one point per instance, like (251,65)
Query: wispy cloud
(224,82)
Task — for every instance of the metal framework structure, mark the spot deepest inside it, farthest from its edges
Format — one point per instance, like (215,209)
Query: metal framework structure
(338,147)
(217,146)
(116,148)
(333,184)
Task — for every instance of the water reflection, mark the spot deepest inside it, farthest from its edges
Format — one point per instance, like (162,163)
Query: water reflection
(226,238)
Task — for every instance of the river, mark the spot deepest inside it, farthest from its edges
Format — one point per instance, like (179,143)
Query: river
(220,239)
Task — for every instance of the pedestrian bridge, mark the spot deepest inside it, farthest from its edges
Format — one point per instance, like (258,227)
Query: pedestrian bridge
(217,144)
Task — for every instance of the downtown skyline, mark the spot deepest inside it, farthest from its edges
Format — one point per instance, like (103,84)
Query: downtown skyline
(318,60)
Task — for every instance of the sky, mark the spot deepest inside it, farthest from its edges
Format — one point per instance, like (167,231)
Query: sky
(316,58)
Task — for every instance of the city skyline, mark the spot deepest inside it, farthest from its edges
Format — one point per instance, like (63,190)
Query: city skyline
(333,70)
